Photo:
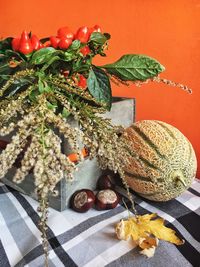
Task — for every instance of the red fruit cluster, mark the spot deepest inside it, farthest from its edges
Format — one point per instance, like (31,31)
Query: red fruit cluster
(65,37)
(26,44)
(63,40)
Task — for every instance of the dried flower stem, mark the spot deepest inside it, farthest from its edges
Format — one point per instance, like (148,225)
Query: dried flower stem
(130,197)
(157,79)
(171,83)
(65,87)
(116,80)
(15,77)
(14,108)
(43,190)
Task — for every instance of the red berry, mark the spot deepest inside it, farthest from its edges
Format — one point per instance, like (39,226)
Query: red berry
(15,44)
(54,41)
(25,46)
(41,45)
(35,42)
(97,28)
(83,34)
(64,43)
(85,50)
(47,44)
(82,83)
(65,73)
(65,32)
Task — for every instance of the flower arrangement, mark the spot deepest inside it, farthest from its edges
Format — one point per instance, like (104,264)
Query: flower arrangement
(42,83)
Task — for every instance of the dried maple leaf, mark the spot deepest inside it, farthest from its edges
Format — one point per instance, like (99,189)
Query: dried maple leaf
(145,230)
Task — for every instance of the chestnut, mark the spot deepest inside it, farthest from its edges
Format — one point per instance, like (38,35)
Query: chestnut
(106,181)
(106,199)
(82,200)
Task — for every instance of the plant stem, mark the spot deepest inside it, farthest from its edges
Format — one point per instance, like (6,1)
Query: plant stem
(44,196)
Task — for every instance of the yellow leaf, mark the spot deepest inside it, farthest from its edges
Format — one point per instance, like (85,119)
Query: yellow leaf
(145,230)
(158,229)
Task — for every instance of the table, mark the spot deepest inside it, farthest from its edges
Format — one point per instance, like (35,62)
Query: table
(88,239)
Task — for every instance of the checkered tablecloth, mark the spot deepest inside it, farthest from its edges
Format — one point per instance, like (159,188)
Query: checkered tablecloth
(88,239)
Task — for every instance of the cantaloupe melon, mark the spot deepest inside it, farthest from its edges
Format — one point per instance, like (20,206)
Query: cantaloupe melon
(167,162)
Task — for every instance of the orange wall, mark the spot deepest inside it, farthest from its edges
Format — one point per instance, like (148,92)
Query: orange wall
(167,30)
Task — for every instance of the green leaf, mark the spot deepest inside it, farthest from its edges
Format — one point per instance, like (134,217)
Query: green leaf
(99,86)
(10,54)
(23,80)
(5,68)
(6,44)
(81,65)
(33,95)
(40,74)
(40,86)
(134,67)
(68,56)
(13,89)
(4,76)
(50,62)
(17,86)
(51,106)
(44,87)
(75,45)
(98,38)
(65,113)
(43,55)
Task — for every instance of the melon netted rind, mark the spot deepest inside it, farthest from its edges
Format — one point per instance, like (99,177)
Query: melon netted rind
(167,163)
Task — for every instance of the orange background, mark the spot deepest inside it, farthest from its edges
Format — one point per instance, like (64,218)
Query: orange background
(167,30)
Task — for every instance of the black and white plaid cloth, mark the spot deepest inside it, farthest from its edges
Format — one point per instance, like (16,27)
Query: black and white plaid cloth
(88,239)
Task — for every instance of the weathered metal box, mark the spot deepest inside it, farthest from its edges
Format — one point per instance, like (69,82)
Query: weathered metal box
(122,113)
